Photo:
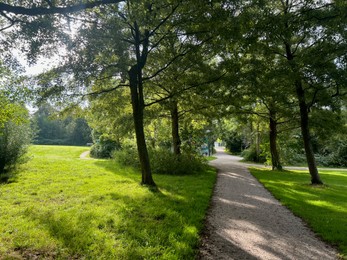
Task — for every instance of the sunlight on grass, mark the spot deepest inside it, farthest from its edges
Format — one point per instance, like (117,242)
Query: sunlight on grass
(61,206)
(324,208)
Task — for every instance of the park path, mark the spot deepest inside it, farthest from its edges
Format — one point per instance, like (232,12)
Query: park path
(246,222)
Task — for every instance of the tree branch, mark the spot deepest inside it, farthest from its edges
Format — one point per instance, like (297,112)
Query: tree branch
(34,11)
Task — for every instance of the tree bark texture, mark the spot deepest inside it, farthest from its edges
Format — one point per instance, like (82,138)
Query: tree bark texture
(275,157)
(176,140)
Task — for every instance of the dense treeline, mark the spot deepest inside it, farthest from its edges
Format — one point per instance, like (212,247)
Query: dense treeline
(52,130)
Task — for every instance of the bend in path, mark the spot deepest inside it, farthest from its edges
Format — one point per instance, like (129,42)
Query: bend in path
(85,155)
(246,222)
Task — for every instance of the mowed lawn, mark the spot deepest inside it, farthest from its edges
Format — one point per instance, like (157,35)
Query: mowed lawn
(62,207)
(323,208)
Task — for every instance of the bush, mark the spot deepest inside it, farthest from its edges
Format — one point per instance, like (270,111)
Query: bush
(251,155)
(165,162)
(127,156)
(104,148)
(162,161)
(14,141)
(338,157)
(234,143)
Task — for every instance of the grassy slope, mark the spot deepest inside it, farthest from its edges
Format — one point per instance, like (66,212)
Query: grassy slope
(61,206)
(323,208)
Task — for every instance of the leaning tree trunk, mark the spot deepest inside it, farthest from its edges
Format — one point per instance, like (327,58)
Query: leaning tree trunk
(275,157)
(304,123)
(305,131)
(138,109)
(176,140)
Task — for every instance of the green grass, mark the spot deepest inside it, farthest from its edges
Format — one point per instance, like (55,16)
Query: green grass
(62,207)
(210,158)
(324,208)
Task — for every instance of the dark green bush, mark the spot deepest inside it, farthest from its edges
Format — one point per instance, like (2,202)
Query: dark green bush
(162,161)
(165,162)
(337,157)
(234,143)
(127,156)
(250,155)
(104,148)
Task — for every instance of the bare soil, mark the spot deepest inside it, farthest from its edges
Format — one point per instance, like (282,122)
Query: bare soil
(246,222)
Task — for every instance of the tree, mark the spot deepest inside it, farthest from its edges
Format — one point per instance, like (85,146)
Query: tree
(302,36)
(55,128)
(121,55)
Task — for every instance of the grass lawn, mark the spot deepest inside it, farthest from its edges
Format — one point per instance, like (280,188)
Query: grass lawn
(323,208)
(62,207)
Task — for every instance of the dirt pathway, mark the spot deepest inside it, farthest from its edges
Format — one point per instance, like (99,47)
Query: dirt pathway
(246,222)
(85,155)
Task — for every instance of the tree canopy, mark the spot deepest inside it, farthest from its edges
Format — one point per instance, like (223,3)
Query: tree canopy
(278,64)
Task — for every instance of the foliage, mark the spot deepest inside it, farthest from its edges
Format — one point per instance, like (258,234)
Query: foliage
(127,156)
(64,207)
(53,129)
(323,208)
(163,161)
(104,148)
(15,136)
(251,155)
(339,157)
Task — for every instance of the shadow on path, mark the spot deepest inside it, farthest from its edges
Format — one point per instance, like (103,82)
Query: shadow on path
(246,222)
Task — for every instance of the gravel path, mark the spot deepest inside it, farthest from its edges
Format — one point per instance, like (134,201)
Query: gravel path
(85,155)
(246,222)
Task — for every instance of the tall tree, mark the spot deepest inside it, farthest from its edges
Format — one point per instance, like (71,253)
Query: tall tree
(118,45)
(301,35)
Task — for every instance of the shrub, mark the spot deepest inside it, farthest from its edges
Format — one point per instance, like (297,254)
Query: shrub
(165,162)
(162,161)
(14,141)
(127,156)
(104,148)
(251,155)
(338,157)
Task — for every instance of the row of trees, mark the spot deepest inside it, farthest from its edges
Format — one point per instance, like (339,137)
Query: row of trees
(50,128)
(282,60)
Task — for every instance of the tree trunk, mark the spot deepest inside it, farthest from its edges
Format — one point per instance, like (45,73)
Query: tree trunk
(311,161)
(176,140)
(275,158)
(138,108)
(304,122)
(257,143)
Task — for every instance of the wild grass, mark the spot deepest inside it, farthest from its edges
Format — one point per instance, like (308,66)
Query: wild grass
(324,208)
(62,207)
(210,158)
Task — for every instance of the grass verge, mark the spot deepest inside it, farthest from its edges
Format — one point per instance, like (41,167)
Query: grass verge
(323,208)
(210,158)
(63,207)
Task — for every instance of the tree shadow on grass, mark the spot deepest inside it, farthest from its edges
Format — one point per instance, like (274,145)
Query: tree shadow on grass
(8,176)
(149,222)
